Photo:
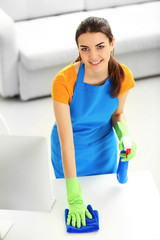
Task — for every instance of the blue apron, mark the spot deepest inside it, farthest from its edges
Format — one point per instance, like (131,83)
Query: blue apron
(94,138)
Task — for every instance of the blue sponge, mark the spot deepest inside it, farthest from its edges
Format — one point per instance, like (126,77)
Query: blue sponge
(91,224)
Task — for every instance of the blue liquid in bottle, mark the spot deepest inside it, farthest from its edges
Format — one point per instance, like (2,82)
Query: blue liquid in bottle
(122,171)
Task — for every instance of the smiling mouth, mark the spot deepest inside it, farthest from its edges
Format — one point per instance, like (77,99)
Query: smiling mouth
(96,63)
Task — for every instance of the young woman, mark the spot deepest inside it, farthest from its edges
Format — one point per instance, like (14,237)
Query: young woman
(88,98)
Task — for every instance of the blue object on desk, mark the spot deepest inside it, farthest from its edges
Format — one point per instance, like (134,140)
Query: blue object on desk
(122,171)
(91,224)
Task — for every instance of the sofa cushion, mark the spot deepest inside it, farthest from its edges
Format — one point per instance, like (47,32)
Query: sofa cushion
(94,4)
(50,41)
(27,9)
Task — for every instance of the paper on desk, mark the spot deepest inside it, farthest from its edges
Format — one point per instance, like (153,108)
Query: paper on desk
(5,225)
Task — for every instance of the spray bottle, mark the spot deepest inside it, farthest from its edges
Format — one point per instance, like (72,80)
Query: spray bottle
(123,166)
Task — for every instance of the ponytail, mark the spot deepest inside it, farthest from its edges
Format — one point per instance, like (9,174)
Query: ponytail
(116,74)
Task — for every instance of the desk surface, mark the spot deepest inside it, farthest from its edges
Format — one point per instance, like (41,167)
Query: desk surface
(126,212)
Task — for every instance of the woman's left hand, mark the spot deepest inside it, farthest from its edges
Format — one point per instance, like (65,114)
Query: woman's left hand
(130,155)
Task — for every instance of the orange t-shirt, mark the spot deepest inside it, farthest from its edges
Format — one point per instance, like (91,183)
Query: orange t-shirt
(64,82)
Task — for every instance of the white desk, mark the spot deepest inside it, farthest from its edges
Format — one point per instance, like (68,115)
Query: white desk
(127,212)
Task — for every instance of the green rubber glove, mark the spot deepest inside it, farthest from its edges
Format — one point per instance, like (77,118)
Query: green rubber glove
(121,129)
(77,208)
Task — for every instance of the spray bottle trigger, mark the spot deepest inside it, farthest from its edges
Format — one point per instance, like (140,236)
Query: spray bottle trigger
(128,150)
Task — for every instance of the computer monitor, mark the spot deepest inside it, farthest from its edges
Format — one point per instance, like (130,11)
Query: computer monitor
(24,173)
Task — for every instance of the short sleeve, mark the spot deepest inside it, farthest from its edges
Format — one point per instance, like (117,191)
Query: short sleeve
(60,90)
(128,81)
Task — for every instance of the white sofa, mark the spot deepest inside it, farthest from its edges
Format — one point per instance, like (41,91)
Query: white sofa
(37,39)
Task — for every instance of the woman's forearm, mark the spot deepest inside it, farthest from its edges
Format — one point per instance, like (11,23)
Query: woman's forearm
(68,160)
(65,132)
(118,115)
(118,118)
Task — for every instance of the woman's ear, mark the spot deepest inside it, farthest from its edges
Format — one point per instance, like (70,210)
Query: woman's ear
(112,47)
(112,43)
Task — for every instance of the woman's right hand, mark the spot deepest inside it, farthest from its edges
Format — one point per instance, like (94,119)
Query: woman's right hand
(77,209)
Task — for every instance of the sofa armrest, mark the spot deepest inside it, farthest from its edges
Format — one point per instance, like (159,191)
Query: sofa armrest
(8,57)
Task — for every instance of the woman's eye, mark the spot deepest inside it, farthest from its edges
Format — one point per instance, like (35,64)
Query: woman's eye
(100,47)
(84,49)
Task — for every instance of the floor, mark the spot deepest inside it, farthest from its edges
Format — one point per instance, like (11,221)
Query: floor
(142,110)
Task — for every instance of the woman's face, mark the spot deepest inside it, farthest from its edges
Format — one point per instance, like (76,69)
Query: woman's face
(95,50)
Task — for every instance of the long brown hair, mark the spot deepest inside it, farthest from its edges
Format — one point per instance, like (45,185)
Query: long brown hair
(115,70)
